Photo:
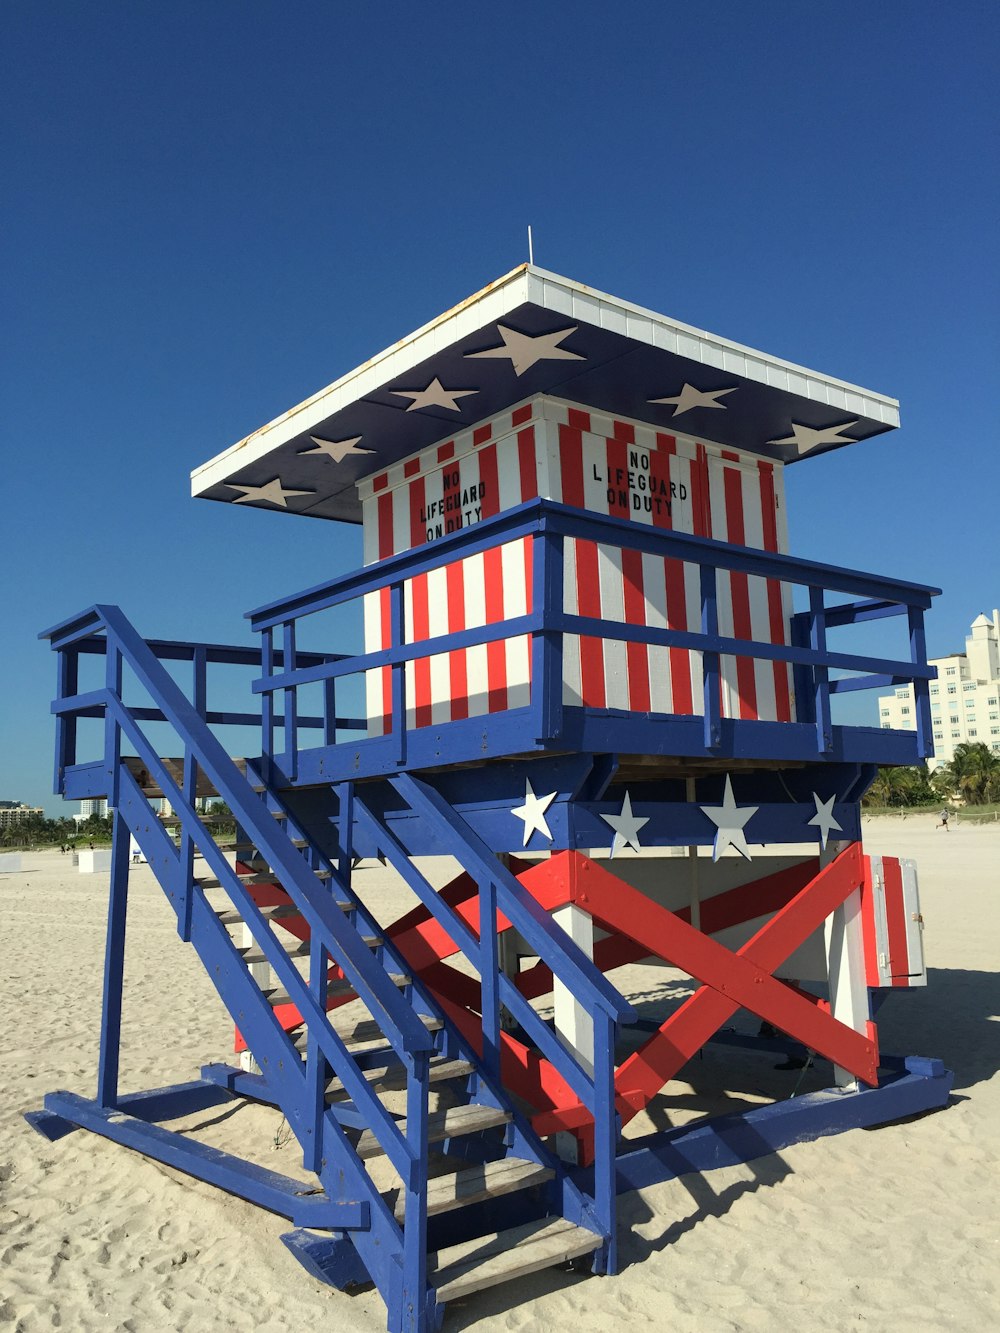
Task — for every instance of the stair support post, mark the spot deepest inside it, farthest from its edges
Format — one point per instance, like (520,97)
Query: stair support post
(414,1295)
(605,1142)
(489,974)
(114,963)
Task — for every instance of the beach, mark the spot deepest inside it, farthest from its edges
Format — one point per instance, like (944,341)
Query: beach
(890,1228)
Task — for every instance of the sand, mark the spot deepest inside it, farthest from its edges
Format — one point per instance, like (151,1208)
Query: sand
(893,1228)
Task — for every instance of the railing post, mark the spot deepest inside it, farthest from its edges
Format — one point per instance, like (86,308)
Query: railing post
(329,712)
(291,700)
(547,577)
(921,688)
(68,683)
(397,637)
(710,661)
(112,731)
(114,962)
(821,674)
(267,705)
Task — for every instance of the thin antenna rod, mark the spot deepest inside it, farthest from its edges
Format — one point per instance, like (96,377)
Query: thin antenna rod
(531,248)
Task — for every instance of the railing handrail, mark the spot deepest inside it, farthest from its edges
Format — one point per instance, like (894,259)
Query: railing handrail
(538,516)
(182,650)
(376,989)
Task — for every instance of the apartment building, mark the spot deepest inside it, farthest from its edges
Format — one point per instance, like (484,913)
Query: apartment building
(965,698)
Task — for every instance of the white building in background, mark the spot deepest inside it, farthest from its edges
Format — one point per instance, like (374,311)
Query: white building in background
(965,698)
(97,806)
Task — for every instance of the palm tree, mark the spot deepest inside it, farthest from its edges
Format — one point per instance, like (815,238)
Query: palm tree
(974,773)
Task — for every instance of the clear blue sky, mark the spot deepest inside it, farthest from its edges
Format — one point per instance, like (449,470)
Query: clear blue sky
(209,211)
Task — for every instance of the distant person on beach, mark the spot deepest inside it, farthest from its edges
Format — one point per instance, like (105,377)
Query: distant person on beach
(944,821)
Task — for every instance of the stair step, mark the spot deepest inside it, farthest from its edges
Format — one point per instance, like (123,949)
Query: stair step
(230,917)
(392,1078)
(213,883)
(253,954)
(473,1184)
(356,1032)
(448,1124)
(476,1264)
(335,988)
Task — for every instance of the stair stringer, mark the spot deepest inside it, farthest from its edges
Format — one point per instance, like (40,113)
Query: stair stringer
(561,1194)
(340,1171)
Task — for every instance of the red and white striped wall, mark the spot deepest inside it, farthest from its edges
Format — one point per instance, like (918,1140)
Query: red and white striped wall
(892,923)
(622,468)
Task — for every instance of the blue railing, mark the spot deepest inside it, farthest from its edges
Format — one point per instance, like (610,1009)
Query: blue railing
(551,525)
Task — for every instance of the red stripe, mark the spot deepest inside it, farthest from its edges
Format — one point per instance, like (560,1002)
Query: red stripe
(868,926)
(482,434)
(618,501)
(527,464)
(446,451)
(746,684)
(681,692)
(496,653)
(636,654)
(521,415)
(385,548)
(775,611)
(380,483)
(411,467)
(587,576)
(578,420)
(457,669)
(895,916)
(421,611)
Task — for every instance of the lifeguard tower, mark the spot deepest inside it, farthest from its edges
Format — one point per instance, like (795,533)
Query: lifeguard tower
(586,668)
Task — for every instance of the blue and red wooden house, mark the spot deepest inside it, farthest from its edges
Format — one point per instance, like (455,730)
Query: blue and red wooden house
(589,671)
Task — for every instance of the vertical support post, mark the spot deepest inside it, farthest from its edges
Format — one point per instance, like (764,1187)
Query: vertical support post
(114,963)
(189,790)
(801,675)
(267,706)
(921,688)
(291,700)
(605,1141)
(397,637)
(691,794)
(329,712)
(821,674)
(489,974)
(414,1293)
(67,684)
(574,1023)
(547,578)
(845,955)
(112,731)
(710,661)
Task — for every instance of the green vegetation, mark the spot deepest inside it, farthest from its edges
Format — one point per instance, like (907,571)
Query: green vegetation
(972,778)
(36,831)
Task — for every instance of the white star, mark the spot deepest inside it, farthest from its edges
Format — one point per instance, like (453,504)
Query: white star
(690,397)
(525,351)
(337,450)
(272,493)
(823,818)
(730,822)
(533,813)
(435,395)
(626,827)
(807,437)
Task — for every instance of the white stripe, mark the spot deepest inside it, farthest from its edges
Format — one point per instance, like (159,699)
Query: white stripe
(655,593)
(515,604)
(609,567)
(437,623)
(475,615)
(572,685)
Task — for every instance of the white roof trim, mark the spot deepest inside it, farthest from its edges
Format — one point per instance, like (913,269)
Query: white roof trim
(562,296)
